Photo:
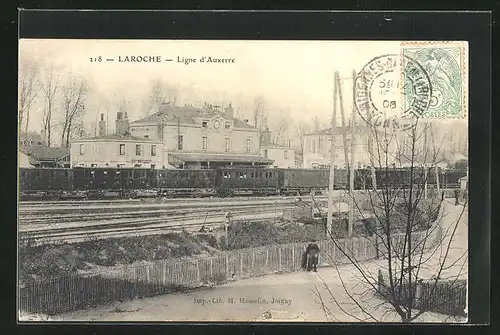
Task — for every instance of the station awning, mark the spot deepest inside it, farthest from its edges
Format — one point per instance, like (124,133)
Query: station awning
(208,157)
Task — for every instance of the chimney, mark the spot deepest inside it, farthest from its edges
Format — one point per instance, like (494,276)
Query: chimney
(229,112)
(102,126)
(121,123)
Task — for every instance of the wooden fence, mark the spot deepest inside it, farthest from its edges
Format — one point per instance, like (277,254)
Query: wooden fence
(80,291)
(445,296)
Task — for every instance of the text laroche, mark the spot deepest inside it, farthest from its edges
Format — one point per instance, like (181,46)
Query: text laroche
(139,59)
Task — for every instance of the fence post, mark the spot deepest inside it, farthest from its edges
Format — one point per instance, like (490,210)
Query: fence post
(198,276)
(211,264)
(253,260)
(418,294)
(279,258)
(241,264)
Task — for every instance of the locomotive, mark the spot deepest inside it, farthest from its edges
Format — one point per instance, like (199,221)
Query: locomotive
(99,183)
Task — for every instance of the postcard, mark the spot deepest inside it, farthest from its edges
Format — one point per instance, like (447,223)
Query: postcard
(243,181)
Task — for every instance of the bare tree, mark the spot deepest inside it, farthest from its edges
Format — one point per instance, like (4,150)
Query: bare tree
(301,128)
(415,236)
(28,90)
(161,93)
(259,113)
(281,130)
(74,93)
(49,82)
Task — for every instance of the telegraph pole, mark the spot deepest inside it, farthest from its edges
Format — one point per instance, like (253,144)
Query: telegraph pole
(329,219)
(344,130)
(425,163)
(351,173)
(434,158)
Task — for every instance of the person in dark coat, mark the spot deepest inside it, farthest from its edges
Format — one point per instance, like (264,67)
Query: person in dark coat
(312,252)
(457,194)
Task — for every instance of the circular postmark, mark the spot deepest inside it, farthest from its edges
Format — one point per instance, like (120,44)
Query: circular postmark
(392,91)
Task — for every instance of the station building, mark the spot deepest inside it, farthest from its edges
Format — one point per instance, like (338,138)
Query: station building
(119,150)
(198,138)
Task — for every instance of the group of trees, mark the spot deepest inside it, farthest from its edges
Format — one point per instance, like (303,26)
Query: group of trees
(63,100)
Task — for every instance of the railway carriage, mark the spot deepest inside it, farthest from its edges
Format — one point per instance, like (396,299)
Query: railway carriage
(44,183)
(192,183)
(293,181)
(247,181)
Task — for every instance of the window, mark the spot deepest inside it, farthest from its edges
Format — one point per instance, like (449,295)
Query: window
(204,144)
(93,165)
(153,150)
(82,149)
(226,146)
(146,136)
(265,153)
(137,149)
(180,142)
(137,165)
(313,146)
(122,149)
(227,125)
(204,124)
(153,166)
(248,145)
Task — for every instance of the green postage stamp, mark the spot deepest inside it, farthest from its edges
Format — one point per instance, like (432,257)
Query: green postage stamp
(446,66)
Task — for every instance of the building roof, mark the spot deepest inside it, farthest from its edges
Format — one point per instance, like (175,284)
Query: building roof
(42,153)
(116,137)
(185,115)
(214,157)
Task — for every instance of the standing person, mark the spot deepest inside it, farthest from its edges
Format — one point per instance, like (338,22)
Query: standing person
(457,194)
(312,252)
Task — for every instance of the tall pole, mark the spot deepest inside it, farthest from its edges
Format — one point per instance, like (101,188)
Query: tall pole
(344,129)
(425,164)
(434,157)
(329,219)
(351,173)
(370,146)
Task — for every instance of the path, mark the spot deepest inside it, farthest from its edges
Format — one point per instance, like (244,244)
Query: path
(287,297)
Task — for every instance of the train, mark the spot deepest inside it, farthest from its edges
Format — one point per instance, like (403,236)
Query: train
(125,183)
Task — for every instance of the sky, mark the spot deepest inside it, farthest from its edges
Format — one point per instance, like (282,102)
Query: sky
(294,77)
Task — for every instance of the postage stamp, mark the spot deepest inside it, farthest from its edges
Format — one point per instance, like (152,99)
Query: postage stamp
(445,63)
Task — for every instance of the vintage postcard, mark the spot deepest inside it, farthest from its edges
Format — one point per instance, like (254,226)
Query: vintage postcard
(243,181)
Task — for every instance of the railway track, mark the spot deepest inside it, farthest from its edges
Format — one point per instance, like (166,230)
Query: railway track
(85,203)
(71,223)
(139,227)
